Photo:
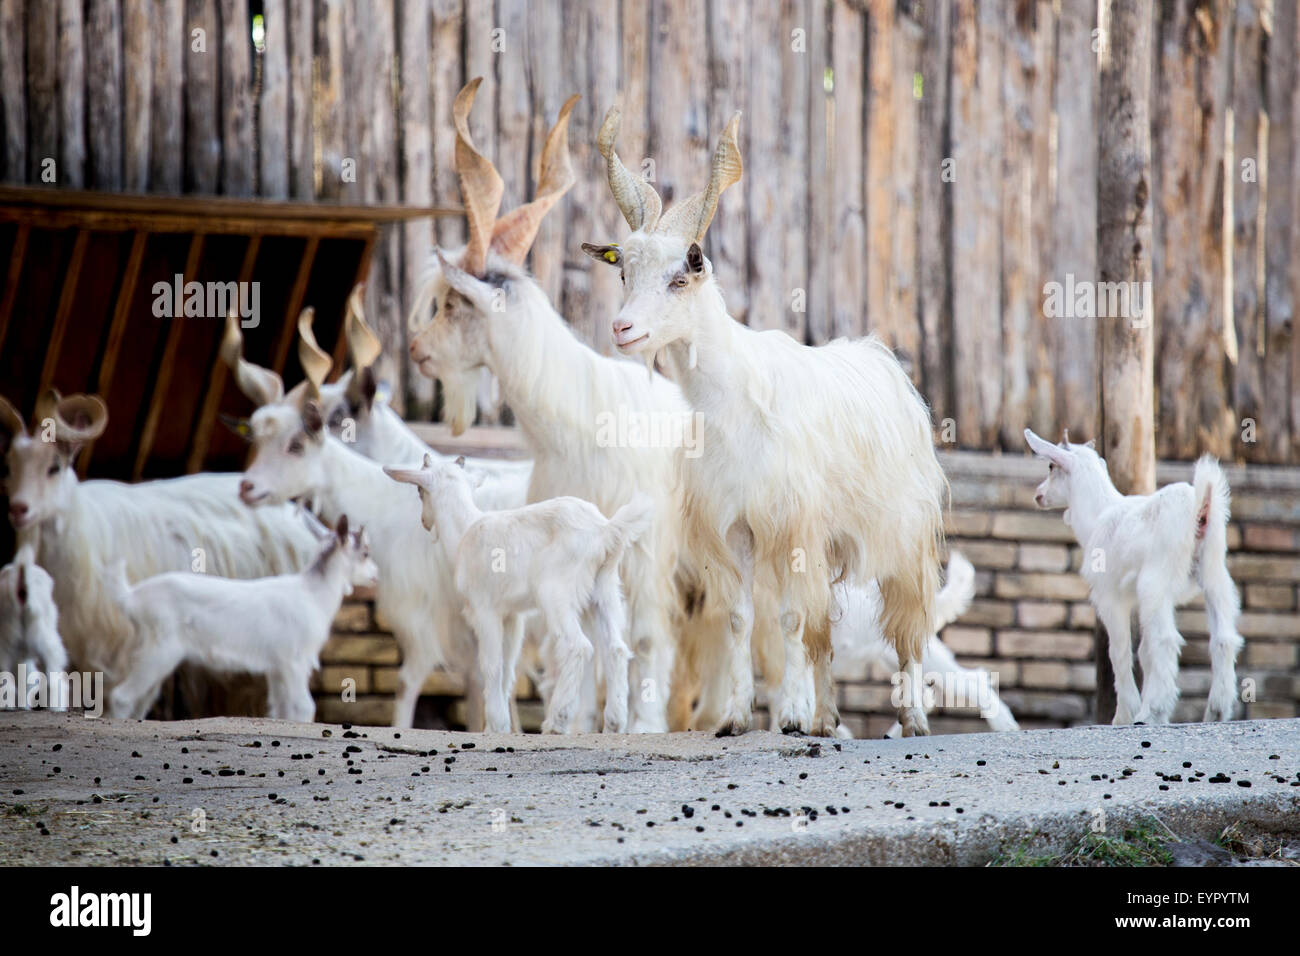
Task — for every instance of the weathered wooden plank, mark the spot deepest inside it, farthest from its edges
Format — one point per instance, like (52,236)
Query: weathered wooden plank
(137,88)
(63,311)
(820,200)
(731,88)
(482,41)
(72,93)
(878,191)
(202,97)
(13,91)
(798,74)
(42,87)
(167,108)
(273,130)
(207,418)
(976,206)
(765,192)
(297,295)
(902,319)
(934,220)
(121,312)
(158,396)
(446,78)
(417,181)
(680,135)
(1246,262)
(514,98)
(14,271)
(300,36)
(1042,360)
(848,229)
(1282,234)
(634,137)
(104,94)
(1192,90)
(328,92)
(546,41)
(238,160)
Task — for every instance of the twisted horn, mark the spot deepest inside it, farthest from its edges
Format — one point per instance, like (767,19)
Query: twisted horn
(690,218)
(10,419)
(77,418)
(316,363)
(363,344)
(480,185)
(636,198)
(514,232)
(261,385)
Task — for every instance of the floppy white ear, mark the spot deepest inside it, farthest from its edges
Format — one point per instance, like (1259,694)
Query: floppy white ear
(404,474)
(1045,449)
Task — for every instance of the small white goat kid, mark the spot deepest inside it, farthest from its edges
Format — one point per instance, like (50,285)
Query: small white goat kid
(559,557)
(274,626)
(29,623)
(1152,552)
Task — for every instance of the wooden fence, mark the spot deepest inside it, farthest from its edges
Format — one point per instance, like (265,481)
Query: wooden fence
(923,170)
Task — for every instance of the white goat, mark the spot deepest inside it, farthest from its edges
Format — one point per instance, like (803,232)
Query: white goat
(1150,552)
(78,528)
(558,557)
(274,626)
(817,463)
(566,398)
(29,624)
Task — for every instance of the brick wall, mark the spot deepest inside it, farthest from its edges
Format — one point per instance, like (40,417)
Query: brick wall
(1031,622)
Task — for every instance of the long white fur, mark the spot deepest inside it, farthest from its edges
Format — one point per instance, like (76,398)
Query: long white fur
(559,557)
(817,464)
(274,626)
(77,528)
(1151,553)
(29,623)
(559,389)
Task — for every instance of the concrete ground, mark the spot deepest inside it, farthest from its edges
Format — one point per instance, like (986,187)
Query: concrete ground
(242,791)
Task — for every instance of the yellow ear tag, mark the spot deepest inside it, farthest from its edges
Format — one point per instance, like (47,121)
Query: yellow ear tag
(611,255)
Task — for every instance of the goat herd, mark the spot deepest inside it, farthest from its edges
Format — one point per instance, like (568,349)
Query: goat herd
(643,583)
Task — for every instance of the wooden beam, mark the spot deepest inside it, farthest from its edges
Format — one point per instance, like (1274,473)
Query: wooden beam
(67,294)
(116,331)
(163,380)
(289,322)
(217,378)
(11,280)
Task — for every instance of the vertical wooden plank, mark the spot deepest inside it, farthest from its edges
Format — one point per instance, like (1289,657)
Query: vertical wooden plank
(680,135)
(202,97)
(238,170)
(1042,355)
(731,87)
(878,190)
(417,181)
(42,87)
(63,312)
(1282,234)
(299,29)
(1193,83)
(137,86)
(550,87)
(384,286)
(13,91)
(328,93)
(104,94)
(903,318)
(820,201)
(514,100)
(797,72)
(13,272)
(848,232)
(634,137)
(273,131)
(72,92)
(446,78)
(1247,267)
(976,217)
(934,221)
(767,195)
(167,110)
(297,295)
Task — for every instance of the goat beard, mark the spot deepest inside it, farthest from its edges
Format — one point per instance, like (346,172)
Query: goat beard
(459,397)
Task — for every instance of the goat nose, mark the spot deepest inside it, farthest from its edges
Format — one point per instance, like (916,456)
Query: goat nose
(245,488)
(17,509)
(622,325)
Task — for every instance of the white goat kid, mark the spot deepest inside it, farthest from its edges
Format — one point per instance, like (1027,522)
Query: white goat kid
(1153,553)
(491,313)
(29,626)
(274,626)
(558,557)
(818,463)
(78,528)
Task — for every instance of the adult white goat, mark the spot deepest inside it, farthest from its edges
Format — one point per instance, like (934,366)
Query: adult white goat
(78,528)
(566,398)
(274,626)
(559,557)
(818,462)
(29,626)
(1153,553)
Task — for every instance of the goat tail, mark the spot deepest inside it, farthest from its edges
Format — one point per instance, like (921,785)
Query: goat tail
(957,592)
(628,524)
(1213,501)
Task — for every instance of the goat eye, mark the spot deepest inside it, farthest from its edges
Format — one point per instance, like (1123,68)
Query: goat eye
(679,282)
(295,447)
(54,469)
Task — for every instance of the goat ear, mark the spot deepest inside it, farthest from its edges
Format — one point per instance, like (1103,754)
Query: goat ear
(695,259)
(239,426)
(405,475)
(473,289)
(460,461)
(342,529)
(610,254)
(1091,443)
(312,421)
(1045,449)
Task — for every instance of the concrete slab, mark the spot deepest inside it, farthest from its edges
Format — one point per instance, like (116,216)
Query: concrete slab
(238,791)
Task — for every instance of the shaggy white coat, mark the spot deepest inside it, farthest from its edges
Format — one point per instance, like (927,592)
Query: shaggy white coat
(29,623)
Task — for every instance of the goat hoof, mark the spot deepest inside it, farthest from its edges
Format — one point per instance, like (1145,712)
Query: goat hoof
(792,731)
